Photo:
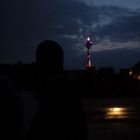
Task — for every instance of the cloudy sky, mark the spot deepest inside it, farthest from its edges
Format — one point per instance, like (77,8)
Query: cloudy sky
(113,25)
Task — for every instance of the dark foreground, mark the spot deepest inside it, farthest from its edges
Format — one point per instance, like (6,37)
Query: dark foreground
(111,103)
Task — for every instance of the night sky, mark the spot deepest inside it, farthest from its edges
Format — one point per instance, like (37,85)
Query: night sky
(113,25)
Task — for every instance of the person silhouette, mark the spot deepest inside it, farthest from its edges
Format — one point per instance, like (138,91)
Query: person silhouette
(59,115)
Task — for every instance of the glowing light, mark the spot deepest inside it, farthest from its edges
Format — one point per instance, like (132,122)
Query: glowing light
(138,77)
(116,109)
(116,112)
(88,45)
(130,72)
(88,38)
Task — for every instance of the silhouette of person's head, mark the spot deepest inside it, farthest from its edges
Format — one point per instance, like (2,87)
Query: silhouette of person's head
(49,56)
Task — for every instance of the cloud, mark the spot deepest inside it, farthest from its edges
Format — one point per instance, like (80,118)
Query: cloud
(34,20)
(106,45)
(123,27)
(131,4)
(68,22)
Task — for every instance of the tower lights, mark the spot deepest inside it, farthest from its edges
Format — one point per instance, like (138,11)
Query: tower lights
(88,45)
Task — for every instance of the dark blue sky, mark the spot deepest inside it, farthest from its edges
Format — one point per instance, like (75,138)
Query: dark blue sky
(114,26)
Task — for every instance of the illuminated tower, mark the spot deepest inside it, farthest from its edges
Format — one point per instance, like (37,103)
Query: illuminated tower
(88,45)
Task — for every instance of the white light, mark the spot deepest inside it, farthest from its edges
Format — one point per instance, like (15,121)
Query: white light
(89,63)
(130,72)
(88,38)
